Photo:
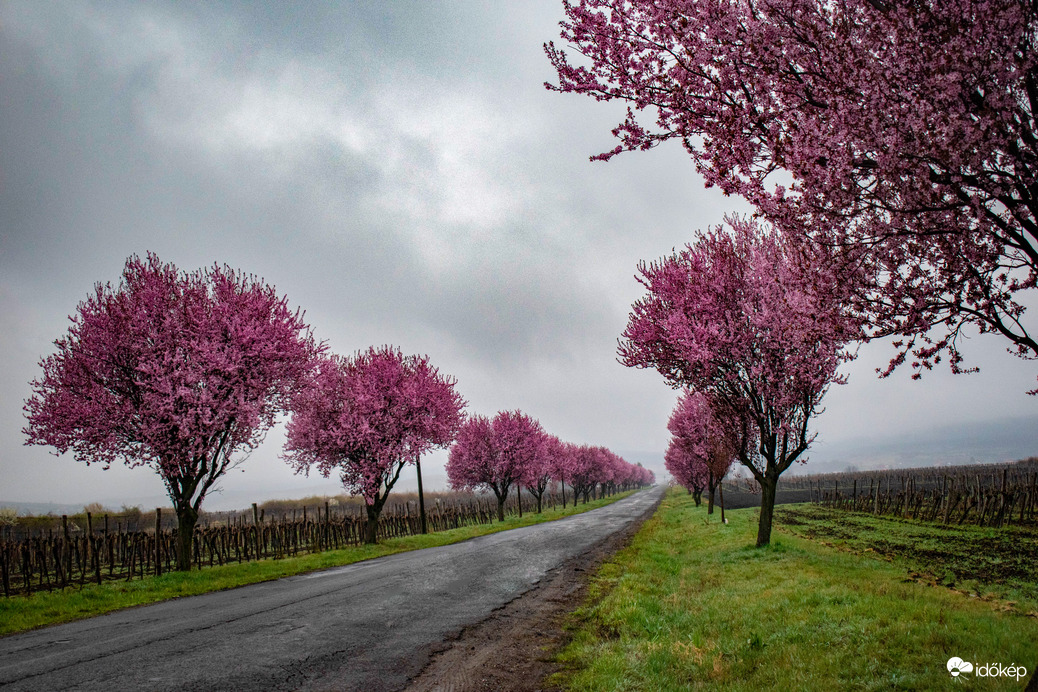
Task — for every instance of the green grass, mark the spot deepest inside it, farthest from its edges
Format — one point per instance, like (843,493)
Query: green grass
(21,613)
(691,604)
(995,564)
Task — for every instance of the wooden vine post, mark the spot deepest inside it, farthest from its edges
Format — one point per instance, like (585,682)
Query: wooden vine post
(158,541)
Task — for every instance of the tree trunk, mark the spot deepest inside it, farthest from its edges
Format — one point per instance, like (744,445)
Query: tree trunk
(371,526)
(767,509)
(158,540)
(186,520)
(697,496)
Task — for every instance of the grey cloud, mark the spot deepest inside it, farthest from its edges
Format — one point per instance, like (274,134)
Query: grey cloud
(397,169)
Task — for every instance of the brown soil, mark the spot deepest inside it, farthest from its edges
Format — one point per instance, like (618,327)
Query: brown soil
(514,649)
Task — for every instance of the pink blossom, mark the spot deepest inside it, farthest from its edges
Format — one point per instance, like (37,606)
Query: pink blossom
(367,417)
(755,321)
(496,454)
(179,372)
(702,448)
(687,468)
(903,132)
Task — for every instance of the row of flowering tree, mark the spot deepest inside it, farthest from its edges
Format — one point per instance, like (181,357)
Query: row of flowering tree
(702,448)
(889,150)
(369,416)
(512,450)
(186,372)
(751,320)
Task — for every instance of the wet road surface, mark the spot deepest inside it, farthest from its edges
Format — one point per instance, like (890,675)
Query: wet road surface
(368,626)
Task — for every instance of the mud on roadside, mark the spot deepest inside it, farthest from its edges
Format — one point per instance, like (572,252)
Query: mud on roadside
(513,649)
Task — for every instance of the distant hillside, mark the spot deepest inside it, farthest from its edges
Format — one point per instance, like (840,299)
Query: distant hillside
(1007,439)
(38,508)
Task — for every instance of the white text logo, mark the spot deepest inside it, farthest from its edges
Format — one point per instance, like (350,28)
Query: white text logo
(956,666)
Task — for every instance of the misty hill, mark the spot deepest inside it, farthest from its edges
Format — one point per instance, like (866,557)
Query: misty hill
(1006,439)
(39,508)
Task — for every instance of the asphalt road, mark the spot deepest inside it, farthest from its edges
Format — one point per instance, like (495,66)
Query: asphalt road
(368,626)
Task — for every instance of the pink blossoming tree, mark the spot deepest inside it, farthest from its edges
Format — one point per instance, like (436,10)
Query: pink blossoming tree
(583,470)
(686,467)
(639,476)
(613,470)
(561,462)
(495,454)
(904,129)
(179,372)
(708,441)
(543,468)
(368,416)
(755,321)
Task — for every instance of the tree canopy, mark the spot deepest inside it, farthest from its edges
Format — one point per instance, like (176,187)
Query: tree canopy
(171,370)
(368,416)
(751,318)
(904,132)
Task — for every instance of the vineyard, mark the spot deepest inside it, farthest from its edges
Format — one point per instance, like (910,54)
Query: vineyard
(46,553)
(982,494)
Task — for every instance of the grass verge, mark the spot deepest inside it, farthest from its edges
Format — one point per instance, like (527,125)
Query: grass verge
(21,613)
(691,604)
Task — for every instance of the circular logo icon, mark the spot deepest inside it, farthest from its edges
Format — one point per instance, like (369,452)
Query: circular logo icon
(956,666)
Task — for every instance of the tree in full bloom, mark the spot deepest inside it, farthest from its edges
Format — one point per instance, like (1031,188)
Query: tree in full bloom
(584,470)
(754,320)
(561,462)
(902,130)
(179,372)
(368,416)
(686,467)
(495,454)
(612,470)
(640,476)
(542,469)
(708,441)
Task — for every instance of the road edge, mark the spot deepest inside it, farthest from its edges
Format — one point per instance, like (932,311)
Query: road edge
(513,649)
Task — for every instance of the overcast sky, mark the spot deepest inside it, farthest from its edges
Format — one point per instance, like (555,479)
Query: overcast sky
(398,170)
